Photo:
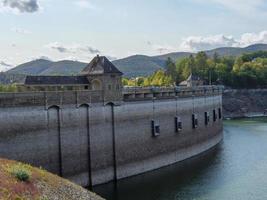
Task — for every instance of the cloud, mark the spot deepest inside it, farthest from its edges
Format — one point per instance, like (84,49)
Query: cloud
(90,49)
(21,6)
(253,38)
(74,48)
(58,47)
(21,31)
(111,58)
(44,57)
(161,48)
(84,4)
(5,66)
(201,43)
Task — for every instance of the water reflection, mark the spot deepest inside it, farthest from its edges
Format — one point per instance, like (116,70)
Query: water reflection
(235,169)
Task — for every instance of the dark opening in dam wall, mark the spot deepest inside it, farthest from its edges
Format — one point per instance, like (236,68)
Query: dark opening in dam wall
(77,135)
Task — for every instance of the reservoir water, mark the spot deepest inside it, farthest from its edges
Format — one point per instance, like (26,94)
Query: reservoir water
(235,170)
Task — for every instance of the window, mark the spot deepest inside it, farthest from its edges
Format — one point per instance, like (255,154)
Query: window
(109,87)
(118,87)
(214,116)
(178,124)
(194,121)
(220,113)
(86,87)
(155,129)
(69,88)
(207,118)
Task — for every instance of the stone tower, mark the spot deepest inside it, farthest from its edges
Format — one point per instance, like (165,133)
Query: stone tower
(103,75)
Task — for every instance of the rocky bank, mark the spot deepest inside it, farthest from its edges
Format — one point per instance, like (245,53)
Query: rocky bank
(244,103)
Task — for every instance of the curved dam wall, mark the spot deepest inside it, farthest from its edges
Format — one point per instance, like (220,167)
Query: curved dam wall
(91,143)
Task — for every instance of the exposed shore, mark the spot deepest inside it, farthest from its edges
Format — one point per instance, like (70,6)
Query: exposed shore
(245,103)
(20,182)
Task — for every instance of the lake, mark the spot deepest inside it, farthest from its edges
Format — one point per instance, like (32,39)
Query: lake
(235,170)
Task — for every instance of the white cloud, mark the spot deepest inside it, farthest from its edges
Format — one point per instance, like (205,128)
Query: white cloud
(84,4)
(201,43)
(253,38)
(21,31)
(5,66)
(161,49)
(73,49)
(43,57)
(19,6)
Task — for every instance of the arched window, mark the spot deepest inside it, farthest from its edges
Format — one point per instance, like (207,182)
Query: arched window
(96,84)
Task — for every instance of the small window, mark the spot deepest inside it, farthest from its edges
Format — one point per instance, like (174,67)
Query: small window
(214,116)
(118,87)
(207,118)
(155,129)
(69,88)
(194,121)
(178,124)
(220,113)
(109,87)
(86,87)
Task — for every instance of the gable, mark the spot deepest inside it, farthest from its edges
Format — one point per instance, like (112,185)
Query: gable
(100,65)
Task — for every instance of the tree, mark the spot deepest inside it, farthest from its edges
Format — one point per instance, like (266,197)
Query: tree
(171,69)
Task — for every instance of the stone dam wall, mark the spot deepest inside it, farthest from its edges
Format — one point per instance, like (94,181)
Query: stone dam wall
(76,136)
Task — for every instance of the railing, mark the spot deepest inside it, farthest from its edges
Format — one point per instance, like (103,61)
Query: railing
(61,98)
(143,93)
(47,99)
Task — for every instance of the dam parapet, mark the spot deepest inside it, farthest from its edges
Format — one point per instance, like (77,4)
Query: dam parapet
(79,97)
(146,93)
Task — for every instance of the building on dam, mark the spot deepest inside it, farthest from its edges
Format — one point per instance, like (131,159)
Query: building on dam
(91,130)
(99,74)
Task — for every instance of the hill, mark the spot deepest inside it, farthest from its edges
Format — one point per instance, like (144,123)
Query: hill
(137,65)
(21,181)
(46,67)
(34,67)
(236,51)
(65,67)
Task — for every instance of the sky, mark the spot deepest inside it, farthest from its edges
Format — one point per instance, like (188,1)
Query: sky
(80,29)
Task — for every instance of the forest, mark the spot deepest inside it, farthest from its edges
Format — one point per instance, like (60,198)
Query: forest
(245,71)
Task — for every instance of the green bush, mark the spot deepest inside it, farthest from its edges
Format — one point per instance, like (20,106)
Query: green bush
(21,172)
(22,175)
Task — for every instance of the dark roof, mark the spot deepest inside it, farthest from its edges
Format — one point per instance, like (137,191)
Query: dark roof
(56,80)
(193,78)
(100,65)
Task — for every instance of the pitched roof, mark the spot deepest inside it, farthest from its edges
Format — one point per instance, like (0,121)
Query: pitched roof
(193,78)
(56,80)
(100,65)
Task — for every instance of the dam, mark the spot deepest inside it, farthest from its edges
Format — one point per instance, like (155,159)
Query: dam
(106,132)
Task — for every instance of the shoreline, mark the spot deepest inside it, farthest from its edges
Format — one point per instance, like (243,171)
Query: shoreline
(245,115)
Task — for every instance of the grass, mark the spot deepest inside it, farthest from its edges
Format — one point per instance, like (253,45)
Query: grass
(20,181)
(21,172)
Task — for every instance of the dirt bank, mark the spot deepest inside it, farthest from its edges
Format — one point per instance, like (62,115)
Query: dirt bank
(245,103)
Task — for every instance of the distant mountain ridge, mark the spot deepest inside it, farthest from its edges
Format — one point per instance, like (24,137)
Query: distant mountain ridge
(137,65)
